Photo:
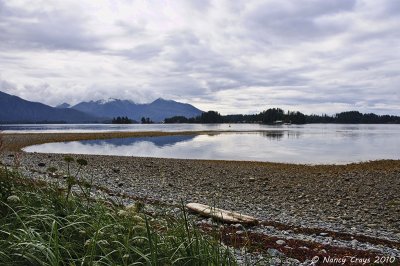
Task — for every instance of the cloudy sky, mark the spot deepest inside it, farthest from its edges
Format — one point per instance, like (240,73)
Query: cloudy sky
(316,56)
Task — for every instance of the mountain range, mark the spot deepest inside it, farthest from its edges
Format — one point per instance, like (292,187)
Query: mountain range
(157,110)
(14,109)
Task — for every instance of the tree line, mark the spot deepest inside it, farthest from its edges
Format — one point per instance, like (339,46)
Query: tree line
(278,116)
(126,120)
(122,120)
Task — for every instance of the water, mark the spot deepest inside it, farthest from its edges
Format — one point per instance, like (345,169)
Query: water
(310,144)
(85,128)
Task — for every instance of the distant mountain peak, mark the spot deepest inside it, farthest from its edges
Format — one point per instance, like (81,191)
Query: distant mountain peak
(14,109)
(162,100)
(157,110)
(63,105)
(109,100)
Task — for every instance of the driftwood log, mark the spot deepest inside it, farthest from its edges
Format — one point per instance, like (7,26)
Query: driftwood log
(220,214)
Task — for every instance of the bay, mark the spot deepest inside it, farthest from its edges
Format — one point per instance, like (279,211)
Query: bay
(308,144)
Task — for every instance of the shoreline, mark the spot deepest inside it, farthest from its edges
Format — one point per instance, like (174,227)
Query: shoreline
(15,142)
(355,199)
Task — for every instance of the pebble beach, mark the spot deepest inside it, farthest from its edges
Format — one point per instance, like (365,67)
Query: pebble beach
(354,206)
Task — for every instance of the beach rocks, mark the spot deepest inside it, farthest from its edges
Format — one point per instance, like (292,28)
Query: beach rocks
(296,195)
(116,170)
(280,242)
(275,253)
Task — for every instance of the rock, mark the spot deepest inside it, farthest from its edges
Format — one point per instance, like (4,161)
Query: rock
(252,179)
(116,170)
(13,199)
(275,253)
(41,164)
(280,242)
(275,261)
(354,243)
(323,234)
(238,226)
(347,217)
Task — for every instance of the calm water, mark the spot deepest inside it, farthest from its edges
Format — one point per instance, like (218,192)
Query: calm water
(311,144)
(81,128)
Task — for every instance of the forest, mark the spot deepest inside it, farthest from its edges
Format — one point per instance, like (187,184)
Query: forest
(279,116)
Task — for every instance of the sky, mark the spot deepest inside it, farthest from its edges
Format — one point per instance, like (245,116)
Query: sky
(322,56)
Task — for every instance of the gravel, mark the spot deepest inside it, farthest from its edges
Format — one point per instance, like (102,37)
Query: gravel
(359,199)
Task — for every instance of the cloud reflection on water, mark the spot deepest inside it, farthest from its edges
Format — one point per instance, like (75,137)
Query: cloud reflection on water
(275,146)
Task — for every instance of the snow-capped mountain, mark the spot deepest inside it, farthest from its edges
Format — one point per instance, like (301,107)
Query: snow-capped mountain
(156,111)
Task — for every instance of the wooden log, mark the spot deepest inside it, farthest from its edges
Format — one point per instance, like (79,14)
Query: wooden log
(221,215)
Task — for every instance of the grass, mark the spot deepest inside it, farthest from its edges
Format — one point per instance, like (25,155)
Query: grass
(40,225)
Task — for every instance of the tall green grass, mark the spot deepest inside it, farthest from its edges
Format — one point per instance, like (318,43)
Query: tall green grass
(39,225)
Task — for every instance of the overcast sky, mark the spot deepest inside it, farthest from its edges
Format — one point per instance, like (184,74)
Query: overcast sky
(314,56)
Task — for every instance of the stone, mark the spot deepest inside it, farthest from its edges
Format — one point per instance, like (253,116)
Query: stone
(238,226)
(116,170)
(323,234)
(274,252)
(354,243)
(280,242)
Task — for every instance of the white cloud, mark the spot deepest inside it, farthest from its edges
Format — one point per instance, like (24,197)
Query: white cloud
(231,56)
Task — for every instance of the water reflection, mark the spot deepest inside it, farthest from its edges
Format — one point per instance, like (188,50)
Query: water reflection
(278,135)
(313,147)
(320,128)
(156,141)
